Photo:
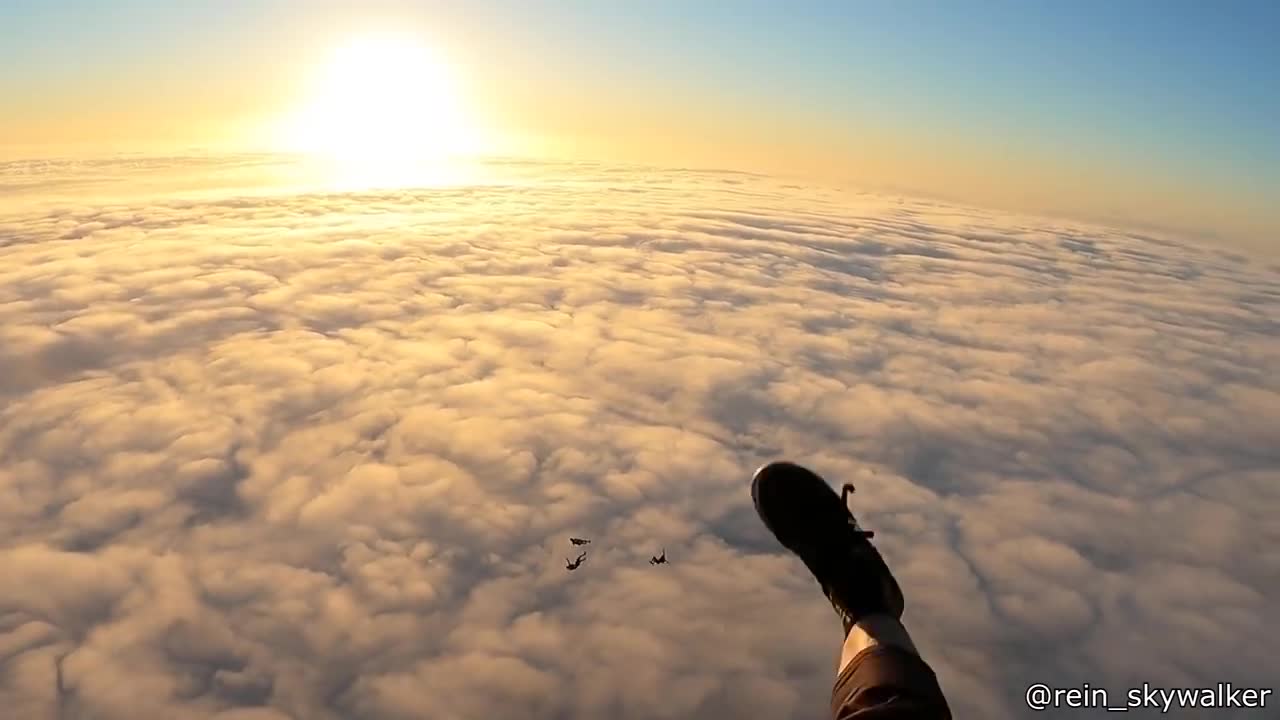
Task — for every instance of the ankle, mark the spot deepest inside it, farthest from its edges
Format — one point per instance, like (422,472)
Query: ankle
(872,631)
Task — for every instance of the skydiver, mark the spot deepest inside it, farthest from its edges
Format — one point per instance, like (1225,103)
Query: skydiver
(659,559)
(881,675)
(579,541)
(576,563)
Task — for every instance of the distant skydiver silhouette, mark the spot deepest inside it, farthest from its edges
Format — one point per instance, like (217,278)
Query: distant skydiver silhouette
(576,563)
(659,559)
(579,541)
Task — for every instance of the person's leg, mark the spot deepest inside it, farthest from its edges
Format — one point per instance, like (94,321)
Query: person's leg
(882,676)
(881,673)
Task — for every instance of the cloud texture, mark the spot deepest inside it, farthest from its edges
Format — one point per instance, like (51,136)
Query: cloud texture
(316,455)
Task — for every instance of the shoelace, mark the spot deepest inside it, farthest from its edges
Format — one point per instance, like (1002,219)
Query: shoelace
(845,492)
(892,598)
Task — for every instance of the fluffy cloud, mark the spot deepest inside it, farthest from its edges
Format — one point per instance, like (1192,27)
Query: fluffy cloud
(316,455)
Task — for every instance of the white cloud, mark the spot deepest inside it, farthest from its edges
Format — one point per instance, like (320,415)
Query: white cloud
(317,455)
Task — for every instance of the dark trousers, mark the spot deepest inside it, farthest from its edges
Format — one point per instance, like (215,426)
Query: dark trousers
(886,682)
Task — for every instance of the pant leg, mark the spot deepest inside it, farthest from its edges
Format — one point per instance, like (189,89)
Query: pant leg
(882,677)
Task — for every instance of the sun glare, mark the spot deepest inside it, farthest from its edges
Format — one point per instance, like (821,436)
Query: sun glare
(382,107)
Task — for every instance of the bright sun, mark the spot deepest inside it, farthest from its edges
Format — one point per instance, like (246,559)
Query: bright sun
(380,103)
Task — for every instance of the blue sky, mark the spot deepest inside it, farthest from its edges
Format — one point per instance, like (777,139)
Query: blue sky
(1179,79)
(1197,78)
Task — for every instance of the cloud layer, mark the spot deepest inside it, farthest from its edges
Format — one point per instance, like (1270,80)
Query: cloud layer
(317,455)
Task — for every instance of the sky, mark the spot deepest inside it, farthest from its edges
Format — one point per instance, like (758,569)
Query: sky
(1150,114)
(316,454)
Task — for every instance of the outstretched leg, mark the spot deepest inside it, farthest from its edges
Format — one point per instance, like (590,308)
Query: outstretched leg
(881,674)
